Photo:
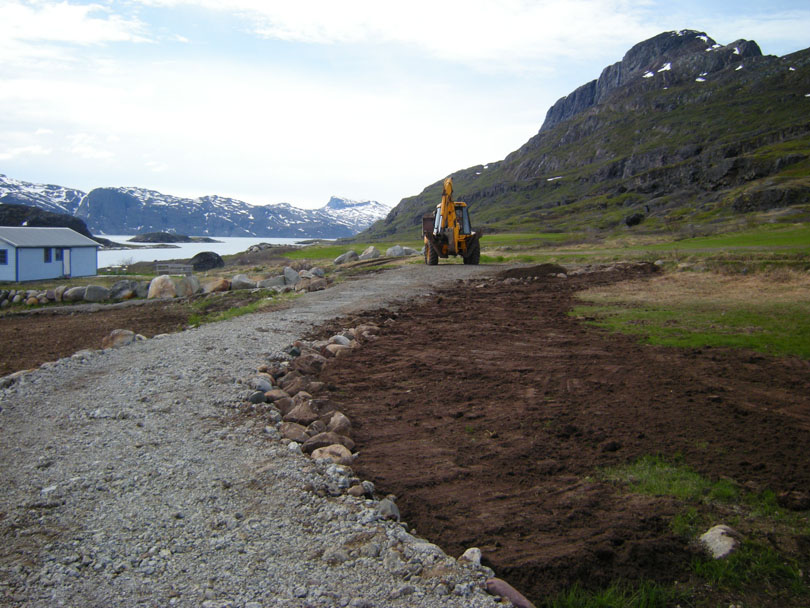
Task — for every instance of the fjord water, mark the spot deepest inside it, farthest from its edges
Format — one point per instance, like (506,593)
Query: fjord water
(147,252)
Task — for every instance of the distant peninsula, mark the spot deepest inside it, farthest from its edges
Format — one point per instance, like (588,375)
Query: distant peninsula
(168,237)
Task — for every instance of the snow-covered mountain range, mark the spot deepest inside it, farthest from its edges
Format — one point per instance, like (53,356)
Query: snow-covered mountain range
(138,210)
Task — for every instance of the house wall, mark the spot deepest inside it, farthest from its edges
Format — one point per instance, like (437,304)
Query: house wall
(32,266)
(83,261)
(8,272)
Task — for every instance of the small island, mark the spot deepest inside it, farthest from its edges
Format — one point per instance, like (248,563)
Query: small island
(167,237)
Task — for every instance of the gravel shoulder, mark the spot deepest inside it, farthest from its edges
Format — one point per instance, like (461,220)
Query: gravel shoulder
(128,479)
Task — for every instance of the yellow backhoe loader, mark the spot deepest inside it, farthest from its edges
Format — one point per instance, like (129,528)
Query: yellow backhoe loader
(447,230)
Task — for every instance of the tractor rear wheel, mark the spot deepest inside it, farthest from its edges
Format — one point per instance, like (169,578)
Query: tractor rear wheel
(431,257)
(474,255)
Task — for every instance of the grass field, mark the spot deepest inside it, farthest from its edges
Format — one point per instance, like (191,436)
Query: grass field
(768,311)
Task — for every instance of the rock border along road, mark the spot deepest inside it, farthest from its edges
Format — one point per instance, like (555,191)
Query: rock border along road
(127,480)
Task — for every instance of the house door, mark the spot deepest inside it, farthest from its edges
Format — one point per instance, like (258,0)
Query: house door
(66,263)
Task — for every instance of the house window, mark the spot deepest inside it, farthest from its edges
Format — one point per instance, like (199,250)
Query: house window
(3,257)
(47,256)
(60,254)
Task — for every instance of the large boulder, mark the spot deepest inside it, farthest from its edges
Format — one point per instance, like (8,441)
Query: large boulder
(278,281)
(187,286)
(217,285)
(142,290)
(291,277)
(96,293)
(242,281)
(161,287)
(349,256)
(123,290)
(206,260)
(395,252)
(74,294)
(370,253)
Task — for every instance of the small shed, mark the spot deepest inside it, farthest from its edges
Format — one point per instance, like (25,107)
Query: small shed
(33,254)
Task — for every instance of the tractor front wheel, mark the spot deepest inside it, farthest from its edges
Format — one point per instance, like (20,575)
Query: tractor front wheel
(474,255)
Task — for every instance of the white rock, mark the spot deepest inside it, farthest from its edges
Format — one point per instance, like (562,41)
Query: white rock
(720,541)
(471,556)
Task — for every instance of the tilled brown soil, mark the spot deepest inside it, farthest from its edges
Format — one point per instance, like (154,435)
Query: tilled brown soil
(32,339)
(488,411)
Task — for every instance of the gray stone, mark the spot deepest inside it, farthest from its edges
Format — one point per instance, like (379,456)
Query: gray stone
(187,286)
(74,294)
(242,281)
(206,260)
(349,256)
(318,272)
(261,383)
(291,277)
(338,339)
(395,252)
(257,397)
(278,281)
(123,290)
(388,510)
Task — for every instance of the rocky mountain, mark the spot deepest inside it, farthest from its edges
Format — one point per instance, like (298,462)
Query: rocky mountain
(56,199)
(37,217)
(681,132)
(138,210)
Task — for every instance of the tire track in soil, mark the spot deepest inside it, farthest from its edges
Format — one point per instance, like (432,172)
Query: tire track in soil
(487,410)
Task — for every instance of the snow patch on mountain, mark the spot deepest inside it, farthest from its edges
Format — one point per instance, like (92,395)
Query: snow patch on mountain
(128,210)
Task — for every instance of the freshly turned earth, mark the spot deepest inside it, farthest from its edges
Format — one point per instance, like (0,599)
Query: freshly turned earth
(489,411)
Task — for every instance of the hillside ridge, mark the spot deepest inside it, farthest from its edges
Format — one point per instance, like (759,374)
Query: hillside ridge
(682,132)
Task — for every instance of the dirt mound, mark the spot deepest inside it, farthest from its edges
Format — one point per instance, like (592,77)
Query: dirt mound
(489,412)
(542,270)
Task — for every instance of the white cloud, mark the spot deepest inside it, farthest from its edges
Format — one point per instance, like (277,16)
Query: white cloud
(23,151)
(84,24)
(88,147)
(511,33)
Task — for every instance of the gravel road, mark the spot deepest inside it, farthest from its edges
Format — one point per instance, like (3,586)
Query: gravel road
(129,480)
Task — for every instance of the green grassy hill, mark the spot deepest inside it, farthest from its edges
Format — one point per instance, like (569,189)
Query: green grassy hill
(688,143)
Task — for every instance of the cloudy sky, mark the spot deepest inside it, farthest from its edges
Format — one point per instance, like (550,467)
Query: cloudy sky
(296,100)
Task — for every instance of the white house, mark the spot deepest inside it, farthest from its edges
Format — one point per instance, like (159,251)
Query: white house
(32,254)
